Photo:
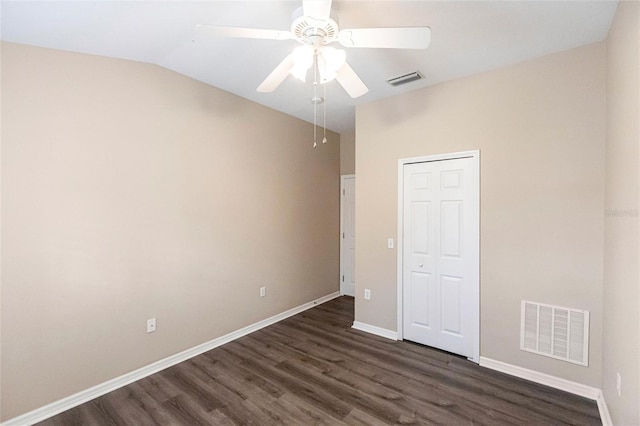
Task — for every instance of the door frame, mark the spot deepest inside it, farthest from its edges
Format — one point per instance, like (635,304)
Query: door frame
(343,178)
(476,236)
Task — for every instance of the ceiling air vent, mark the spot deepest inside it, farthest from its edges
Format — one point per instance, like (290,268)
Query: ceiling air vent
(404,79)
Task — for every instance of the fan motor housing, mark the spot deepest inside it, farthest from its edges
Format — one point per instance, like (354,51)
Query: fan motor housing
(308,30)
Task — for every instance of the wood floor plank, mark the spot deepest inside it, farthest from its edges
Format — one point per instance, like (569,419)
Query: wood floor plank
(316,396)
(250,379)
(315,369)
(338,371)
(78,416)
(104,413)
(184,411)
(195,391)
(131,405)
(428,373)
(437,408)
(314,416)
(360,418)
(353,397)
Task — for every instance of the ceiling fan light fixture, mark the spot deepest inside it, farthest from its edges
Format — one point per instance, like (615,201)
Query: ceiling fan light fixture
(299,73)
(302,60)
(326,73)
(327,76)
(330,60)
(334,58)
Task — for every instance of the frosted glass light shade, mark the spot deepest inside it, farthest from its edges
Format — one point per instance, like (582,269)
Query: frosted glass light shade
(330,60)
(302,60)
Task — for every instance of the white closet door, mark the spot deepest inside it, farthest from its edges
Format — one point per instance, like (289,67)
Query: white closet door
(439,259)
(348,236)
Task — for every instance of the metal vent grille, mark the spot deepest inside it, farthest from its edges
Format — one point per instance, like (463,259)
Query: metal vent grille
(404,79)
(554,331)
(302,29)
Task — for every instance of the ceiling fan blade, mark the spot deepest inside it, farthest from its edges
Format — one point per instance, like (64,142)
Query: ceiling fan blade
(277,76)
(392,38)
(350,81)
(317,9)
(243,32)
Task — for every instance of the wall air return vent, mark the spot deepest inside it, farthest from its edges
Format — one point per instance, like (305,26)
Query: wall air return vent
(554,331)
(404,79)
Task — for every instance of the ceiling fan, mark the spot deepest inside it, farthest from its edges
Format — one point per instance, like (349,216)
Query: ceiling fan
(315,26)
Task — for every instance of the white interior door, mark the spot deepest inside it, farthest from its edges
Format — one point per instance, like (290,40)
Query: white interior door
(439,282)
(348,235)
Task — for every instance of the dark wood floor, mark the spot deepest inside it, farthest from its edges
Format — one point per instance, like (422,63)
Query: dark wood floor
(313,368)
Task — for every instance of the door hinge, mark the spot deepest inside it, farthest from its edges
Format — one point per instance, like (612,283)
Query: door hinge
(343,278)
(343,235)
(343,192)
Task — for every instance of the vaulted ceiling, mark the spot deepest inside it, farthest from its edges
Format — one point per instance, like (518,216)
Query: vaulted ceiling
(467,37)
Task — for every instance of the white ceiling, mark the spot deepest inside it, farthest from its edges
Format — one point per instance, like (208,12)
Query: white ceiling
(467,37)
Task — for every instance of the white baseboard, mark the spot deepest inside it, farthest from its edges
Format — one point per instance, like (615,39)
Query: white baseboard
(69,402)
(378,331)
(605,417)
(554,382)
(542,378)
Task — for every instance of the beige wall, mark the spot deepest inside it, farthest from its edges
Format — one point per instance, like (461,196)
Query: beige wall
(540,127)
(347,153)
(621,343)
(131,192)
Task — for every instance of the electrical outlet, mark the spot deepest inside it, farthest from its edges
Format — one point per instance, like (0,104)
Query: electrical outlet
(263,291)
(367,294)
(619,384)
(151,325)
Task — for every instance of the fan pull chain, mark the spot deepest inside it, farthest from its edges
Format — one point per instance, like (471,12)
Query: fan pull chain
(315,108)
(315,102)
(324,113)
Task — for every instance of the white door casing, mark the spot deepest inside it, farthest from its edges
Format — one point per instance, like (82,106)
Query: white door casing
(347,234)
(438,255)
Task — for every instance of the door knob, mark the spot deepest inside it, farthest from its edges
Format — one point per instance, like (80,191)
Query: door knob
(421,265)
